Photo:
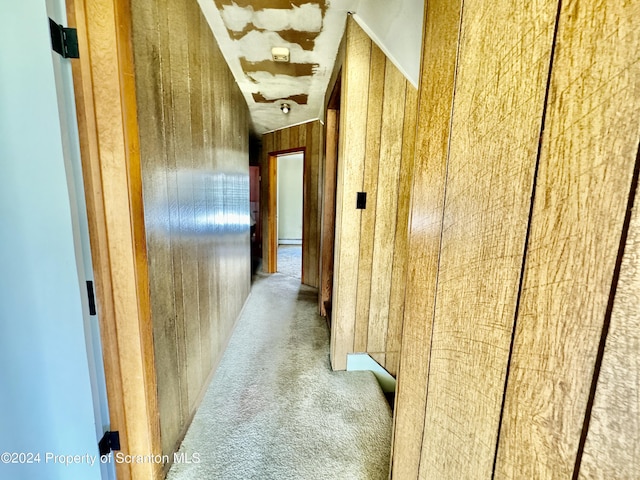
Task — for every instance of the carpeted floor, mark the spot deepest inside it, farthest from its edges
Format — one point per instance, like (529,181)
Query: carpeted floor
(290,260)
(275,410)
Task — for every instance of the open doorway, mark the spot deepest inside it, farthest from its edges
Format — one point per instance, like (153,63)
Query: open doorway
(286,180)
(289,185)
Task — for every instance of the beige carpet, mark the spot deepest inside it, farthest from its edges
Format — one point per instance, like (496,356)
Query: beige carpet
(275,410)
(290,260)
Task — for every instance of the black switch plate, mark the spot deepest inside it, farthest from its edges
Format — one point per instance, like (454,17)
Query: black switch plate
(361,201)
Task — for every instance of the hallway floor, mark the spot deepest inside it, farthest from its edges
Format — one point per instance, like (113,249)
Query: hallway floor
(290,260)
(275,410)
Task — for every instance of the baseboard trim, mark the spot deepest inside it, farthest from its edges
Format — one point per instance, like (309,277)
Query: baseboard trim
(363,361)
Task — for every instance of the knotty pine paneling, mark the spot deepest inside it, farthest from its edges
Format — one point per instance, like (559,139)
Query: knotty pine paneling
(310,137)
(587,159)
(193,125)
(377,131)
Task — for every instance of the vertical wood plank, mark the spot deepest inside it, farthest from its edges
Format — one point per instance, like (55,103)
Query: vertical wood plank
(353,109)
(308,199)
(612,448)
(440,43)
(328,213)
(315,184)
(497,115)
(370,186)
(386,206)
(401,247)
(587,160)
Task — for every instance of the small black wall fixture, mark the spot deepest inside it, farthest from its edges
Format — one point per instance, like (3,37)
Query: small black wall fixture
(64,40)
(361,201)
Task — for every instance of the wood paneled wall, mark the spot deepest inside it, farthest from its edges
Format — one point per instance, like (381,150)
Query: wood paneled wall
(523,248)
(310,137)
(195,168)
(377,136)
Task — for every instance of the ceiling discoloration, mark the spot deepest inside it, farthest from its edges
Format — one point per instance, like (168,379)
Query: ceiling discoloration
(306,40)
(264,4)
(247,30)
(278,68)
(299,99)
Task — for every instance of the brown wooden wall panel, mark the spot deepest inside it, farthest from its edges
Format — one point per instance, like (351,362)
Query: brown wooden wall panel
(194,150)
(401,246)
(378,118)
(369,185)
(384,234)
(355,77)
(535,273)
(497,115)
(441,28)
(587,160)
(310,137)
(612,448)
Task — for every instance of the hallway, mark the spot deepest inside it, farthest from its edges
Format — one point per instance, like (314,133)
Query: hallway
(275,410)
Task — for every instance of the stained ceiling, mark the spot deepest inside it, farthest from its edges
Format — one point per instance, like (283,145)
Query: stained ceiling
(247,31)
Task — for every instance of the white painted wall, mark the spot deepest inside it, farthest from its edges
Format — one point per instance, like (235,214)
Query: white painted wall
(396,27)
(290,177)
(46,403)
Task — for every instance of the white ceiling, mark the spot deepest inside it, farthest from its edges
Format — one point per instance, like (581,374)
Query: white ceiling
(246,30)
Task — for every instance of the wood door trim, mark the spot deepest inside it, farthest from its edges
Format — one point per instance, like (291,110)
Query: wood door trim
(108,130)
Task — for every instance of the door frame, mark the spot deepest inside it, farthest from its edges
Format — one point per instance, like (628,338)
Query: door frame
(104,85)
(271,255)
(330,181)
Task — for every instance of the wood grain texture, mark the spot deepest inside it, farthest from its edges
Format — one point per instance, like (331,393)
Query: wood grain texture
(497,117)
(612,448)
(370,186)
(441,29)
(379,127)
(353,108)
(401,247)
(307,137)
(587,159)
(393,117)
(327,235)
(194,149)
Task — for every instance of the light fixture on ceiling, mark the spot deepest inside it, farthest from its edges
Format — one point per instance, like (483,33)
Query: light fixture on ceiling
(285,107)
(280,54)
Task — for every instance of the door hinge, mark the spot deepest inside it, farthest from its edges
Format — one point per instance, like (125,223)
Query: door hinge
(64,40)
(92,298)
(110,441)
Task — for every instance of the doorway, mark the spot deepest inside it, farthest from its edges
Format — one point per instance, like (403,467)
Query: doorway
(285,212)
(290,178)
